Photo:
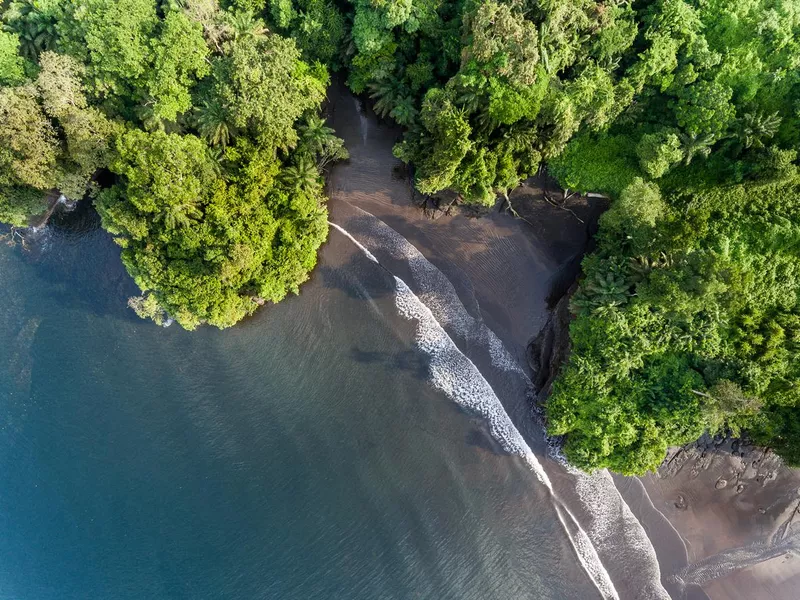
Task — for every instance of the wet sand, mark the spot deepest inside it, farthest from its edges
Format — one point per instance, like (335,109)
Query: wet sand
(736,508)
(509,272)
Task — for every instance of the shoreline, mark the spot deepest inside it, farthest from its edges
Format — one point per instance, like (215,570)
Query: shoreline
(512,273)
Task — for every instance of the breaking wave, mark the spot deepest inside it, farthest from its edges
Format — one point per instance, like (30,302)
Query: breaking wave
(436,291)
(459,379)
(611,526)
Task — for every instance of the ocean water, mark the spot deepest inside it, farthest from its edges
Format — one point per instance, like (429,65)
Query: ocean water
(319,450)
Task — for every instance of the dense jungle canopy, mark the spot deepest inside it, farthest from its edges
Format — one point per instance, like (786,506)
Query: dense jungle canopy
(208,125)
(203,117)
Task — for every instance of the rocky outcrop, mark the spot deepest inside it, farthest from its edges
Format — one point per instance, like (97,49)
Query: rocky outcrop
(549,350)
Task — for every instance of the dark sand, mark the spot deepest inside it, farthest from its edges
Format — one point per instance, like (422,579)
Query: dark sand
(723,542)
(736,508)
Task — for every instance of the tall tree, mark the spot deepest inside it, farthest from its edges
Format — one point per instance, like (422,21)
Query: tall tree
(265,88)
(11,64)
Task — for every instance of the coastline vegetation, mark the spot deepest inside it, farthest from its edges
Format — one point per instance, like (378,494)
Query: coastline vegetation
(207,125)
(688,317)
(205,114)
(686,114)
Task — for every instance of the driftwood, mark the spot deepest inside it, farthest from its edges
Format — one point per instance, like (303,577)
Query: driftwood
(446,209)
(431,205)
(566,195)
(549,200)
(54,202)
(426,200)
(12,236)
(510,207)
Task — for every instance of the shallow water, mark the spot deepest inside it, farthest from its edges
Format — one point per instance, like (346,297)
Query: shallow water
(303,454)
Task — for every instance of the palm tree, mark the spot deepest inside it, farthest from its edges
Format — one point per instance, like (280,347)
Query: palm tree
(314,134)
(754,128)
(695,145)
(601,292)
(349,48)
(37,31)
(544,51)
(216,157)
(521,139)
(320,141)
(180,215)
(244,24)
(485,121)
(641,266)
(470,100)
(213,123)
(302,175)
(404,111)
(385,97)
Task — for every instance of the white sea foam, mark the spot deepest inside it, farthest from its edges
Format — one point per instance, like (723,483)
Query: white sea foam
(456,375)
(438,304)
(610,518)
(612,528)
(608,509)
(436,291)
(344,232)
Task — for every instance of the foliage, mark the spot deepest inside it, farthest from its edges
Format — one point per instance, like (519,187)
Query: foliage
(29,145)
(264,88)
(684,112)
(687,318)
(34,22)
(208,250)
(51,138)
(604,163)
(658,152)
(510,83)
(318,27)
(634,214)
(17,203)
(202,117)
(11,63)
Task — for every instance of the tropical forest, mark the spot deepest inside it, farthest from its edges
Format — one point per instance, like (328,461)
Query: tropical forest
(197,130)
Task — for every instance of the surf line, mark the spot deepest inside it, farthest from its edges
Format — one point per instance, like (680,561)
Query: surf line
(436,291)
(597,492)
(453,373)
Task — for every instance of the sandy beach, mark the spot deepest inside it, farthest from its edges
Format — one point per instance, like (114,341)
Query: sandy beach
(719,515)
(736,509)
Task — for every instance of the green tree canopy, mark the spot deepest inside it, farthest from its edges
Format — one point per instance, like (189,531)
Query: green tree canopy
(265,88)
(11,63)
(686,319)
(205,123)
(208,250)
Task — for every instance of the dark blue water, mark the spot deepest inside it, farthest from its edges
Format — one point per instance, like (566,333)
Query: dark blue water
(300,455)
